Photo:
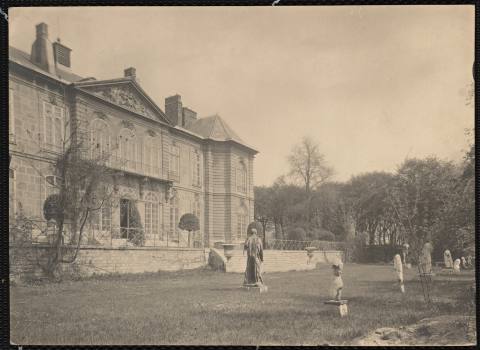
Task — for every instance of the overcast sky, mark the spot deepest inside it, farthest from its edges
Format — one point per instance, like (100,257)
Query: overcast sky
(371,85)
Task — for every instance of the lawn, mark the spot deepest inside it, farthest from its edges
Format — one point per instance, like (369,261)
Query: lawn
(206,307)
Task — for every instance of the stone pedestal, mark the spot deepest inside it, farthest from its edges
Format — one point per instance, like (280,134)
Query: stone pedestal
(255,288)
(341,304)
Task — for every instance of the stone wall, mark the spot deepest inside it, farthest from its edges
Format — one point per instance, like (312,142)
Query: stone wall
(96,260)
(274,260)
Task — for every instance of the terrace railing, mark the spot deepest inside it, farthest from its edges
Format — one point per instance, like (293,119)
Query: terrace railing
(284,244)
(40,232)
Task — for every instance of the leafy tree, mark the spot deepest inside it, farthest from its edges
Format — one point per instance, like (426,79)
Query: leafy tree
(368,197)
(418,196)
(255,225)
(189,222)
(262,210)
(297,234)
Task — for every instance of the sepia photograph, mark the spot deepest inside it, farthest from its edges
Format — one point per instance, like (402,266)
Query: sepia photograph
(264,175)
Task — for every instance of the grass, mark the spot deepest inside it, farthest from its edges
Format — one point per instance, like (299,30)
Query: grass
(206,307)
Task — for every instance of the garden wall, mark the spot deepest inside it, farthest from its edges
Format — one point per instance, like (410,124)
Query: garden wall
(274,260)
(101,260)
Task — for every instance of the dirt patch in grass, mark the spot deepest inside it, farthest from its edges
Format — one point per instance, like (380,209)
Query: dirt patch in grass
(441,330)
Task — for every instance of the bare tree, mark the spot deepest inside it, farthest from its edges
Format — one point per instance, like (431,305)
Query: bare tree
(308,165)
(84,182)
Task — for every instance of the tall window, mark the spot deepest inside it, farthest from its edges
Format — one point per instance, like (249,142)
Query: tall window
(242,223)
(53,118)
(196,168)
(196,207)
(151,155)
(11,193)
(128,149)
(152,214)
(11,117)
(100,140)
(241,177)
(174,216)
(175,160)
(102,218)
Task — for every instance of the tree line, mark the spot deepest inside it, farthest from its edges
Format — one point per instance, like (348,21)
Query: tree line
(423,199)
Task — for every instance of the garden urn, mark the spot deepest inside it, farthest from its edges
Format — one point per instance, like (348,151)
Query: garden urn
(228,250)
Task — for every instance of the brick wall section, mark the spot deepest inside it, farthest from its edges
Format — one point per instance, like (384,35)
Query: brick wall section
(95,260)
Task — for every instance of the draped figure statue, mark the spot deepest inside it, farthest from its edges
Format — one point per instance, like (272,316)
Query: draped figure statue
(254,248)
(426,258)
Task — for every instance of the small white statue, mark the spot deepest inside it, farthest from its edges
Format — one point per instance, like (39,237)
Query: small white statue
(397,265)
(337,283)
(337,287)
(456,265)
(447,259)
(464,262)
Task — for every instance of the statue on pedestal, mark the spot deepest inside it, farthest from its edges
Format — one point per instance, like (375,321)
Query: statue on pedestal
(253,272)
(337,283)
(425,263)
(456,265)
(397,265)
(447,259)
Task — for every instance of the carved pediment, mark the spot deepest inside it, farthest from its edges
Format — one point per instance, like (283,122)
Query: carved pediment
(124,96)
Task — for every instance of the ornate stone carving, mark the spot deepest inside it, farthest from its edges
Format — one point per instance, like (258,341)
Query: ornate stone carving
(100,115)
(127,124)
(151,133)
(126,98)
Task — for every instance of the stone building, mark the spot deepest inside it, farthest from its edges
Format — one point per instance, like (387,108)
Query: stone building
(172,161)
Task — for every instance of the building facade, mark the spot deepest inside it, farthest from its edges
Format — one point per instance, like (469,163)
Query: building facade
(171,162)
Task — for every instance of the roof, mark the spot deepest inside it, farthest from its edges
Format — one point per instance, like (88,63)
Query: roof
(23,58)
(214,128)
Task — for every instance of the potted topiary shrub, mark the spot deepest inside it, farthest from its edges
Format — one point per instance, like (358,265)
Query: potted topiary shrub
(189,222)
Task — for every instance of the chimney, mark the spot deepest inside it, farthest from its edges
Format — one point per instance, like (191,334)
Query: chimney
(130,73)
(173,109)
(189,116)
(42,50)
(61,54)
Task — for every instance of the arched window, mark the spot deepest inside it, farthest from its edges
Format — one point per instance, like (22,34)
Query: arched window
(151,155)
(242,217)
(241,177)
(152,215)
(52,185)
(100,140)
(127,149)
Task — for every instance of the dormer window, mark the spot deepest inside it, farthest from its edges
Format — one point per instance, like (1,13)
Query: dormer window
(61,54)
